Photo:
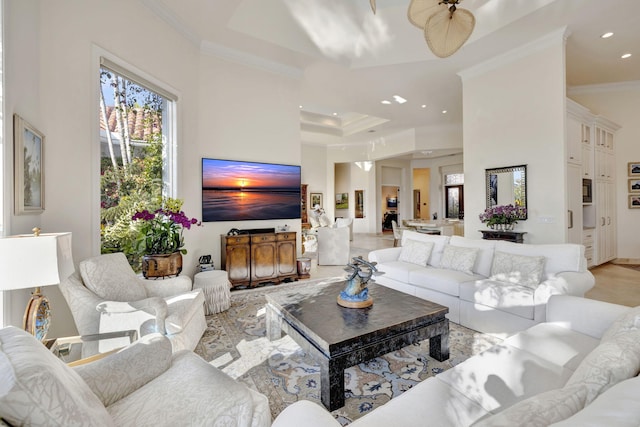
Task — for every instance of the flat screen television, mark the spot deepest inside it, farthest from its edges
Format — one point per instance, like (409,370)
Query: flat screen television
(242,191)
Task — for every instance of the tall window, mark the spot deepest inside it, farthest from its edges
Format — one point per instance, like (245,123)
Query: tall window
(137,153)
(454,196)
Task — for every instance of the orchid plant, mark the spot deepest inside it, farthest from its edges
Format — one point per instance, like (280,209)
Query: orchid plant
(503,214)
(160,232)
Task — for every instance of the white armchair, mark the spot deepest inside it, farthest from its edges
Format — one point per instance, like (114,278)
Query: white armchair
(333,246)
(105,295)
(144,384)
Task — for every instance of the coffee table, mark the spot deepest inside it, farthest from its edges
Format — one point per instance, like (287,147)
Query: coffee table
(339,337)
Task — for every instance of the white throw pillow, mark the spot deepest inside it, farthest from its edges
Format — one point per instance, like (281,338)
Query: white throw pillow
(416,252)
(324,221)
(614,360)
(626,322)
(540,410)
(517,269)
(459,258)
(110,277)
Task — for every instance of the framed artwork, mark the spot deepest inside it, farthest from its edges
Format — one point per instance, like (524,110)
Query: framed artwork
(634,169)
(359,203)
(28,171)
(316,199)
(634,201)
(634,185)
(342,200)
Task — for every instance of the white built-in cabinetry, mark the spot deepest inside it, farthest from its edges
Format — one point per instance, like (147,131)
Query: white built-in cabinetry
(590,154)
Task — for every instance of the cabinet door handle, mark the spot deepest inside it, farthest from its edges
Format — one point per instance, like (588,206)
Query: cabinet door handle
(570,218)
(602,220)
(608,220)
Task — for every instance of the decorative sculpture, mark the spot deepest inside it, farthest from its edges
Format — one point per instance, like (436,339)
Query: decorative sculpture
(356,293)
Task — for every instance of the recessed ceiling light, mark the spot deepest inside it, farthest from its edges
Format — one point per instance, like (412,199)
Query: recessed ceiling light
(335,114)
(606,35)
(625,56)
(385,102)
(444,111)
(301,107)
(399,99)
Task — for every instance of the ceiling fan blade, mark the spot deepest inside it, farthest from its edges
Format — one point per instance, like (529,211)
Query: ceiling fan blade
(373,6)
(445,32)
(420,10)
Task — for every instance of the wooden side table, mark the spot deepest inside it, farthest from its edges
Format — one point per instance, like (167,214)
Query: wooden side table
(511,236)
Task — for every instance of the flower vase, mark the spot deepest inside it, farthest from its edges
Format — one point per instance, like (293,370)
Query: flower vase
(510,226)
(161,265)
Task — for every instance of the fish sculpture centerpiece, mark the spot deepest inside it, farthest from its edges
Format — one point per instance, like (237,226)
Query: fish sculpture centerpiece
(356,293)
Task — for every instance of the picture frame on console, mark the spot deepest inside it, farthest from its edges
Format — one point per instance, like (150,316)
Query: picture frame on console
(634,201)
(634,185)
(634,169)
(316,199)
(29,167)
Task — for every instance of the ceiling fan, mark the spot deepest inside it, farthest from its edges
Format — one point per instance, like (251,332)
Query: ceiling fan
(446,27)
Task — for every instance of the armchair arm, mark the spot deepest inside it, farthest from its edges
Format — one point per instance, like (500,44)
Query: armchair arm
(384,255)
(155,305)
(305,413)
(118,375)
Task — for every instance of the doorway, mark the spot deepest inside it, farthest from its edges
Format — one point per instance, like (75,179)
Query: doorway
(454,202)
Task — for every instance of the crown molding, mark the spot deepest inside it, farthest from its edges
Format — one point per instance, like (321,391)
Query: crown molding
(517,53)
(161,10)
(632,85)
(250,60)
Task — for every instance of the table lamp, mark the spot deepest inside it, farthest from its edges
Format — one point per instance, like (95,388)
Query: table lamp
(32,261)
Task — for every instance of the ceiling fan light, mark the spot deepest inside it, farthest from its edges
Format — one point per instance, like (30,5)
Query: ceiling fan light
(445,32)
(420,10)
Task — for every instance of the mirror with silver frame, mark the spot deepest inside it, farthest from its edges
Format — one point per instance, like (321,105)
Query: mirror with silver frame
(507,186)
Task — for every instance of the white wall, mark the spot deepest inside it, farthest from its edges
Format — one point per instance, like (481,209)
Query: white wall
(225,110)
(514,114)
(621,104)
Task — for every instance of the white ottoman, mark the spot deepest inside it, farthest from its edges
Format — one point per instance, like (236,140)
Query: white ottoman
(216,288)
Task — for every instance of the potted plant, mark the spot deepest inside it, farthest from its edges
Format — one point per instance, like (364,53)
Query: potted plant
(160,238)
(502,217)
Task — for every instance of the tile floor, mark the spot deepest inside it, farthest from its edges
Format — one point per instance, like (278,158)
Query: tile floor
(614,283)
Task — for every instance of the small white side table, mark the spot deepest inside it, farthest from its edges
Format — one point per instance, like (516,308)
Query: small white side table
(216,288)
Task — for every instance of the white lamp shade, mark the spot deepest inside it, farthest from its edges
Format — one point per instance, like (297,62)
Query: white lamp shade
(27,261)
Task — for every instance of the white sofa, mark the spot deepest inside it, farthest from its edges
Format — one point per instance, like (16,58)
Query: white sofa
(577,369)
(142,385)
(491,286)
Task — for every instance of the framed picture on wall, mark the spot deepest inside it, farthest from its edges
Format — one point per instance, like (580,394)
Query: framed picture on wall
(634,201)
(316,199)
(28,147)
(634,169)
(342,200)
(634,185)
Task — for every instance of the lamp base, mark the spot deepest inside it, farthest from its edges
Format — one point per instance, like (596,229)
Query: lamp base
(37,316)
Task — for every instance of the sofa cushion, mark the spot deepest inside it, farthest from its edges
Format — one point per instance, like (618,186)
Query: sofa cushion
(626,322)
(559,257)
(614,360)
(398,270)
(37,388)
(110,277)
(416,252)
(503,375)
(557,344)
(540,410)
(181,309)
(517,269)
(441,280)
(459,258)
(514,299)
(619,406)
(439,243)
(485,254)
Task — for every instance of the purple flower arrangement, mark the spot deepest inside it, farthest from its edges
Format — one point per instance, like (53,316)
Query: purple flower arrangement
(160,232)
(503,214)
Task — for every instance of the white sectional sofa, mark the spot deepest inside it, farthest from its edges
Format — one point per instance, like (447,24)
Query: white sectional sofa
(577,369)
(491,286)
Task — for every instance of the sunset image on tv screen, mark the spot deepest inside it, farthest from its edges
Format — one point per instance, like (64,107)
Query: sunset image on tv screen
(241,191)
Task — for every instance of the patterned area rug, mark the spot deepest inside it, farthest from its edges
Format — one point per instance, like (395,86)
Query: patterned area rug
(235,342)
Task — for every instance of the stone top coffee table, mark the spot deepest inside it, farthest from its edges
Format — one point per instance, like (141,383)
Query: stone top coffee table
(339,337)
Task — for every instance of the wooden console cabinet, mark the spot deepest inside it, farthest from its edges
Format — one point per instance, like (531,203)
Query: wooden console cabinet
(257,259)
